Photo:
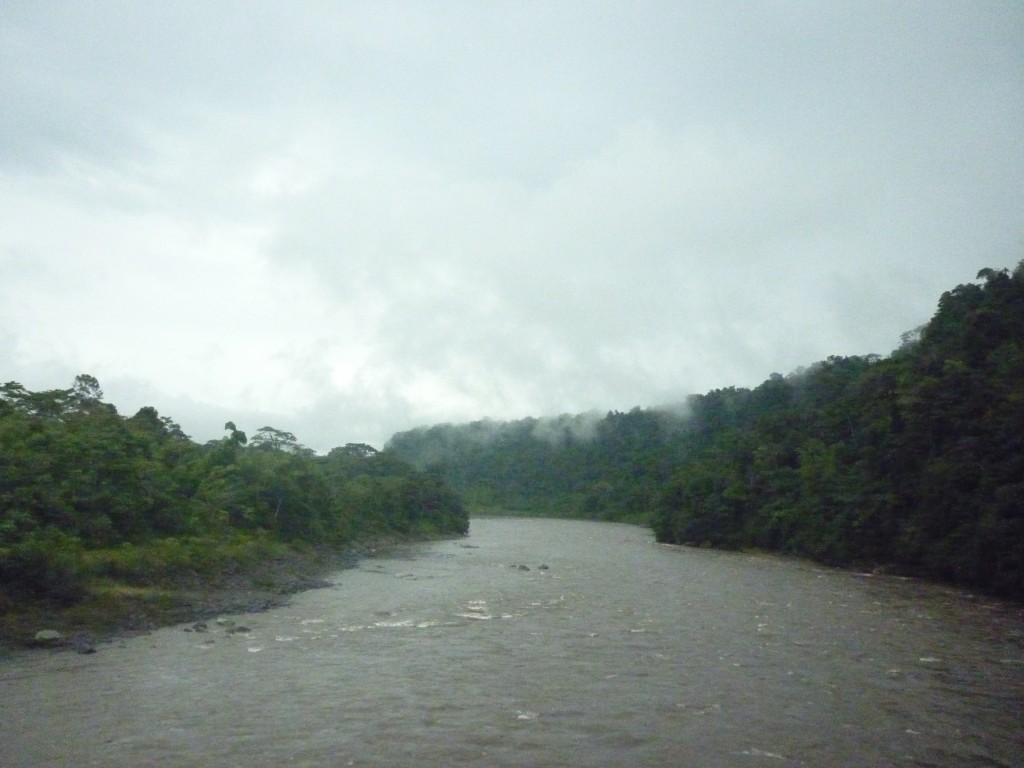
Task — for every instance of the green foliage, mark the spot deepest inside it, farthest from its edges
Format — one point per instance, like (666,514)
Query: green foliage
(587,466)
(43,564)
(85,492)
(913,462)
(171,558)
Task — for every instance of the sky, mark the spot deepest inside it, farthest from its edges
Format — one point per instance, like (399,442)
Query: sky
(349,219)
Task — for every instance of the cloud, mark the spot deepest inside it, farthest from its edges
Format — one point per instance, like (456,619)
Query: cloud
(347,219)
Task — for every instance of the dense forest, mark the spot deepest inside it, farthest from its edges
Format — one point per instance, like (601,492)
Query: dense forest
(913,462)
(87,494)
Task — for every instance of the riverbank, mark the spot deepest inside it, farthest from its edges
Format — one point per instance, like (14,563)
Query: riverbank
(111,608)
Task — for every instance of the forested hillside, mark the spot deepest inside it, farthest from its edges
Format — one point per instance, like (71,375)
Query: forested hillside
(913,462)
(606,468)
(87,494)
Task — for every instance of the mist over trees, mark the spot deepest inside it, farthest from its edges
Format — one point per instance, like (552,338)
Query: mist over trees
(913,462)
(599,467)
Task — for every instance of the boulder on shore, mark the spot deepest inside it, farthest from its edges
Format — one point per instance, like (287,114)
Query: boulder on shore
(48,638)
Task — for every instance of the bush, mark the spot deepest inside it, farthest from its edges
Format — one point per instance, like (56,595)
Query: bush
(46,565)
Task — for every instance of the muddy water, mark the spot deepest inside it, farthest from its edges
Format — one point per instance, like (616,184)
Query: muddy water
(619,653)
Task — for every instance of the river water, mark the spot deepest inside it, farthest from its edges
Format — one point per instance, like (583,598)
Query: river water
(619,652)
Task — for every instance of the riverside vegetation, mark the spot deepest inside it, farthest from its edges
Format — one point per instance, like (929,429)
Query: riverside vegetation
(109,522)
(913,462)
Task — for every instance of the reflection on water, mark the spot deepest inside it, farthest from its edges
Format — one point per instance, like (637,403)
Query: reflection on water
(547,643)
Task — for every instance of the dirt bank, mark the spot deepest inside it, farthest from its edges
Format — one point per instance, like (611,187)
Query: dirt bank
(110,609)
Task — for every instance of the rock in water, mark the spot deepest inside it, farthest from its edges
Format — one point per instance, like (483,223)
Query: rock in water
(83,645)
(48,638)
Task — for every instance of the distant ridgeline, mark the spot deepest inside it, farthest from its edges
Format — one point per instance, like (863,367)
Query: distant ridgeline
(87,493)
(913,462)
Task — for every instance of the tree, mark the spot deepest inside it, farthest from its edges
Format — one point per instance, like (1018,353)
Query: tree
(271,439)
(354,451)
(237,437)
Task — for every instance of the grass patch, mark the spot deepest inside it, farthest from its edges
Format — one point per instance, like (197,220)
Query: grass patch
(138,587)
(172,559)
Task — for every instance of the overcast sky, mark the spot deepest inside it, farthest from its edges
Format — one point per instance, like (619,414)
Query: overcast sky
(349,219)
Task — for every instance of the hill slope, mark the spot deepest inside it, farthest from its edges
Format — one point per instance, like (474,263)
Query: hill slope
(914,462)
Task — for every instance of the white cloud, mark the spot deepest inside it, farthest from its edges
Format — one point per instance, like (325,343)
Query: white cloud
(346,220)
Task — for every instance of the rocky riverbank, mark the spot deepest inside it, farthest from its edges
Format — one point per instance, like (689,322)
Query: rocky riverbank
(112,609)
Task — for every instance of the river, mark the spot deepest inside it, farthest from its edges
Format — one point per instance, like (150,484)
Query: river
(547,643)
